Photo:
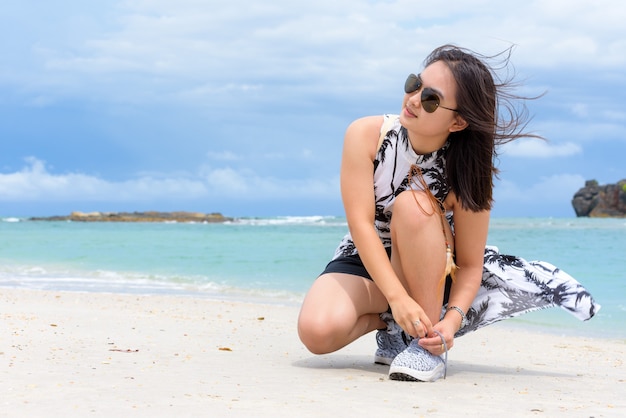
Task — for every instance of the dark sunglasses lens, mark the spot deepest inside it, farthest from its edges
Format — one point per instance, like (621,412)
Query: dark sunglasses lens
(412,84)
(430,101)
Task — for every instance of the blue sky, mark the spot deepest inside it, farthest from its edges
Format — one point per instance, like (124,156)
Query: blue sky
(240,107)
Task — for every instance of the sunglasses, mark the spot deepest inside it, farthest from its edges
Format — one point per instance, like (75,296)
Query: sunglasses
(430,100)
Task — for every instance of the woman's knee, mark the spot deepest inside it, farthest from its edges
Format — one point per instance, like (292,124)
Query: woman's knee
(317,331)
(331,311)
(315,325)
(412,209)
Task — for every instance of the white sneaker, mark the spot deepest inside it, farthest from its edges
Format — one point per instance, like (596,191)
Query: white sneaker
(417,364)
(391,341)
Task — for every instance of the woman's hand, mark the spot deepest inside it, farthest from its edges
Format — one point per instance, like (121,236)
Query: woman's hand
(411,317)
(432,342)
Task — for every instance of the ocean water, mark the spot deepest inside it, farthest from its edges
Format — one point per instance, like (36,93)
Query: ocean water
(275,260)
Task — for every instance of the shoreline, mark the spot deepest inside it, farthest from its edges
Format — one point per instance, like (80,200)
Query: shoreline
(147,216)
(80,353)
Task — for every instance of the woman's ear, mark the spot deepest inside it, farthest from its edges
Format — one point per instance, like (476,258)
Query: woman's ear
(459,124)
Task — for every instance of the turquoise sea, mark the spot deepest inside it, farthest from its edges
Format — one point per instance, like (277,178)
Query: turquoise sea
(275,260)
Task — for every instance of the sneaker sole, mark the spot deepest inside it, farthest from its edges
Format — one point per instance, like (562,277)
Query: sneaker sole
(383,360)
(411,375)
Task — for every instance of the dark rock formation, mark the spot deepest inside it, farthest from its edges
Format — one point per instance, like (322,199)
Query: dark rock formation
(595,201)
(150,216)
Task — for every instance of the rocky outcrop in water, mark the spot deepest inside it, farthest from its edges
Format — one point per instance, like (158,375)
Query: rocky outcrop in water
(595,201)
(150,216)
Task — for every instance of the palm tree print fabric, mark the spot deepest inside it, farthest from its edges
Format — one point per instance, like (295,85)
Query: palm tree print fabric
(511,286)
(391,177)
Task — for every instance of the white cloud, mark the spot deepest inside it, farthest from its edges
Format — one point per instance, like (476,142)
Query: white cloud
(556,188)
(563,131)
(536,148)
(187,48)
(279,81)
(228,181)
(35,183)
(615,115)
(224,156)
(244,184)
(580,110)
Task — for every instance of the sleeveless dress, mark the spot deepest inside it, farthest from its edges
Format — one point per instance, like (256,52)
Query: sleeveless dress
(510,286)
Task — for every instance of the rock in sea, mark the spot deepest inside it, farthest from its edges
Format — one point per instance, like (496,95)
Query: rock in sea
(595,201)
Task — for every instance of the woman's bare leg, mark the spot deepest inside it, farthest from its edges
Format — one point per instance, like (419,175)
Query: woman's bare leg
(418,254)
(338,309)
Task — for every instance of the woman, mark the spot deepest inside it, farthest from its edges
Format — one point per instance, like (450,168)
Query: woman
(417,190)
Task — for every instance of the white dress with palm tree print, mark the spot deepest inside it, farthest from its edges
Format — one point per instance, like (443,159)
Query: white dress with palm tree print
(511,286)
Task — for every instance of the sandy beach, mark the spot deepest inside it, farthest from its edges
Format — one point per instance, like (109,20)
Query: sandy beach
(70,354)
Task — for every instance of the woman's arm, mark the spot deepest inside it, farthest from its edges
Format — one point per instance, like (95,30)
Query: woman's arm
(471,230)
(357,191)
(470,238)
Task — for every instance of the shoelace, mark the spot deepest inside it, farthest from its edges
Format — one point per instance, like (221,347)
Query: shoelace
(445,347)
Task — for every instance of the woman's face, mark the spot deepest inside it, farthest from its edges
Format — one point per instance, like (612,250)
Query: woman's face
(428,130)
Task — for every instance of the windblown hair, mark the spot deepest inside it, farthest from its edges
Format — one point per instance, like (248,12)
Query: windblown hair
(494,115)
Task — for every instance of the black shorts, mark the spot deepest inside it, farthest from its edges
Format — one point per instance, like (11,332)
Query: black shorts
(352,264)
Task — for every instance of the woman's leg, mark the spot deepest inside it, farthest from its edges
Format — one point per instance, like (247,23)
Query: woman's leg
(338,309)
(418,253)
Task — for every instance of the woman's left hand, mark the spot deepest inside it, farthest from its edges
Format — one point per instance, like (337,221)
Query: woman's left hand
(433,343)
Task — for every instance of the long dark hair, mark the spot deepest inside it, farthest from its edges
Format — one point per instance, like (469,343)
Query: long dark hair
(494,115)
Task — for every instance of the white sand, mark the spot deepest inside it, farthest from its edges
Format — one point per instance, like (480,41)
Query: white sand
(98,355)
